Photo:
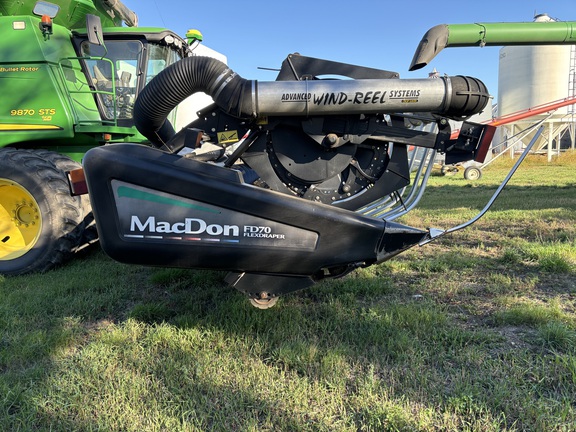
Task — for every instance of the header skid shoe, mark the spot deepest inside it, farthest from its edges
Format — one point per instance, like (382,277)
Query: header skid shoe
(154,208)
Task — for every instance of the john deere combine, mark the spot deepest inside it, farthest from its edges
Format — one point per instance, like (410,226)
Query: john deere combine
(69,76)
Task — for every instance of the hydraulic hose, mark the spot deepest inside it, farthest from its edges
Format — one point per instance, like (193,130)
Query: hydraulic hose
(456,97)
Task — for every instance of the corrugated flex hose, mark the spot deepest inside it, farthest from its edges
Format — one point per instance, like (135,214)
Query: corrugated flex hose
(180,80)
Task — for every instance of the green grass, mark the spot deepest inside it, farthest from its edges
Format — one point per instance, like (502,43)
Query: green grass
(476,332)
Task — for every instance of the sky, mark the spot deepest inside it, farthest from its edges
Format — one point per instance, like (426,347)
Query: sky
(379,34)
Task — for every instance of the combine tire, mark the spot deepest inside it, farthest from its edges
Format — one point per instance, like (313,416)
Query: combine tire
(40,222)
(64,164)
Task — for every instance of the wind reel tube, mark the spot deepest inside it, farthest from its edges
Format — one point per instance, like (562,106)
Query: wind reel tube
(456,97)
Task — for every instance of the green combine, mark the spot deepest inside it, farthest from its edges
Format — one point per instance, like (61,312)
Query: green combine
(69,75)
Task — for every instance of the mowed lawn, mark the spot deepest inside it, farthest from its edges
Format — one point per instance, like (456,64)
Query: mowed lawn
(474,332)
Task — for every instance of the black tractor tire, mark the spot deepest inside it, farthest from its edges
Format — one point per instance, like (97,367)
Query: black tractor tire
(56,216)
(66,164)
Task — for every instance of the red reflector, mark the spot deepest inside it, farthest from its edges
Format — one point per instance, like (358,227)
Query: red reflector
(77,182)
(485,142)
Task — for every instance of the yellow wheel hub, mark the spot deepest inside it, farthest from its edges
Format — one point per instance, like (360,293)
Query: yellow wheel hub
(20,220)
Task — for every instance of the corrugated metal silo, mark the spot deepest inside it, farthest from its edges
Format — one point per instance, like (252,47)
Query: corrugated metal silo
(530,76)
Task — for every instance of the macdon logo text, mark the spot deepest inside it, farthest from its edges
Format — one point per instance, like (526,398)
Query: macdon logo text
(187,226)
(200,226)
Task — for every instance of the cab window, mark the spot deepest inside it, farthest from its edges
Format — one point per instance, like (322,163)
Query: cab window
(117,71)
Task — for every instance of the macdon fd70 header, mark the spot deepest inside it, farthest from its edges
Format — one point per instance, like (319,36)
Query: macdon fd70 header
(272,181)
(286,183)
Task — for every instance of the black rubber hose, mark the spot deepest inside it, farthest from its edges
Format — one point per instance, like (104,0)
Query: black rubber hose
(182,79)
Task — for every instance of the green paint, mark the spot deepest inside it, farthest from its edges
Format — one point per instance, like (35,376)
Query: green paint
(519,33)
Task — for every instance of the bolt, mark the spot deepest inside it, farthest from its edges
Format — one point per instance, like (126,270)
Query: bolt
(332,138)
